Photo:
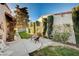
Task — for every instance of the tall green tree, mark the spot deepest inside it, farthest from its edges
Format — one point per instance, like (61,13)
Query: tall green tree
(22,17)
(34,27)
(50,25)
(37,23)
(44,20)
(75,17)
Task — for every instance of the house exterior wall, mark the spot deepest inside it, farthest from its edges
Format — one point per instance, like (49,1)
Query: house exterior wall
(3,31)
(5,8)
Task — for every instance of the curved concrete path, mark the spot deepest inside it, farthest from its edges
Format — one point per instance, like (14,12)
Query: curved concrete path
(25,46)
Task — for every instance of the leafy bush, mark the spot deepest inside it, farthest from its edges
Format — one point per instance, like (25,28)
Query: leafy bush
(61,36)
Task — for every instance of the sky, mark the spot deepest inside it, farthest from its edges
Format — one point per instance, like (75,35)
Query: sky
(37,10)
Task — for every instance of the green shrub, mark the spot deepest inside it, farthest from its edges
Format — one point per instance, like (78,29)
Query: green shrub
(61,37)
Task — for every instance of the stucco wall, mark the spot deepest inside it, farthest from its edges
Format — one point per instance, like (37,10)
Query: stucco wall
(63,19)
(66,19)
(59,20)
(3,31)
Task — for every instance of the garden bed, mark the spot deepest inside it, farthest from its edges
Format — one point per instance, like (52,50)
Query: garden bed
(55,51)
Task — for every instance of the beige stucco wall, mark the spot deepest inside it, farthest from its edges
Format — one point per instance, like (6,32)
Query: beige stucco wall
(60,20)
(66,19)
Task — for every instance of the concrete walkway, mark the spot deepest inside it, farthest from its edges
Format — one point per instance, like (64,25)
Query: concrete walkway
(25,46)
